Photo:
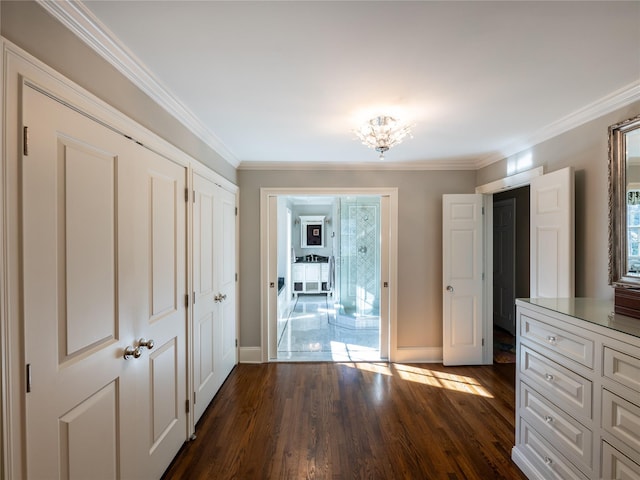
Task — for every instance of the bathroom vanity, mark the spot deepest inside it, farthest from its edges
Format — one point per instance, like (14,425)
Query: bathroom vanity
(310,277)
(577,390)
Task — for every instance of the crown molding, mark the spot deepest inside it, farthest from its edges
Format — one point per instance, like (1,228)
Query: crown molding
(618,99)
(86,26)
(325,166)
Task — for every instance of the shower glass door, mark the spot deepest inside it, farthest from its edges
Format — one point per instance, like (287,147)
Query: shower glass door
(359,266)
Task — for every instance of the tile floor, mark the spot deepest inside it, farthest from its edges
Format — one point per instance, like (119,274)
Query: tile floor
(316,332)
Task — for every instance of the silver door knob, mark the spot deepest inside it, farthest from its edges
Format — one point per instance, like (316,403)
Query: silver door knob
(130,351)
(217,298)
(142,343)
(223,297)
(449,288)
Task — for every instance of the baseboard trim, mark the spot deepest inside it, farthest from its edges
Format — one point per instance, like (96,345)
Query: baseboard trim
(250,355)
(417,355)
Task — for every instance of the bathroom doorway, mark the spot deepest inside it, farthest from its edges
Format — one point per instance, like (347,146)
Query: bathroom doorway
(331,308)
(332,301)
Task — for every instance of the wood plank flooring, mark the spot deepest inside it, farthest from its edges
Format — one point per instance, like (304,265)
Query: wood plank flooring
(356,421)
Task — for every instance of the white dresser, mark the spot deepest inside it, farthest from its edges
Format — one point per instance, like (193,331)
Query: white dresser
(577,390)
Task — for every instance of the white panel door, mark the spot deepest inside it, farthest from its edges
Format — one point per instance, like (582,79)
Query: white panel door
(462,269)
(103,266)
(226,249)
(152,235)
(214,255)
(552,234)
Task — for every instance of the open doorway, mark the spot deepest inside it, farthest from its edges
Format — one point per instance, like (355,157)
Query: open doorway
(329,278)
(511,266)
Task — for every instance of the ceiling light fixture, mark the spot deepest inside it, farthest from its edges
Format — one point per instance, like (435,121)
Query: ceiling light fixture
(382,133)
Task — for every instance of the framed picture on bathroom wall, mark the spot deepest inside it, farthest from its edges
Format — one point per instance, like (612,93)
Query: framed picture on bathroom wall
(312,231)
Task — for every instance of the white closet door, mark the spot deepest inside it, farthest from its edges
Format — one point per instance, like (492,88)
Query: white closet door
(152,231)
(214,330)
(226,249)
(103,265)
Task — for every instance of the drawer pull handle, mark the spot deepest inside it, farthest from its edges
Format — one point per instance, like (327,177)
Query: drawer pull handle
(549,377)
(552,339)
(548,418)
(548,461)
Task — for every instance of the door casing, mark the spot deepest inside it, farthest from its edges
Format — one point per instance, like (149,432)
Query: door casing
(268,263)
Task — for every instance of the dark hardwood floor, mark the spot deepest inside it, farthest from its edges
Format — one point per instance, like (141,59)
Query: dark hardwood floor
(356,421)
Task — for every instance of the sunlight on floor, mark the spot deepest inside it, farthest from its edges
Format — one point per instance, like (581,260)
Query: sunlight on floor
(425,376)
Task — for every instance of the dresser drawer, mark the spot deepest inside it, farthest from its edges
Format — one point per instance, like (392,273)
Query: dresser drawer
(617,465)
(622,368)
(563,387)
(621,419)
(548,461)
(568,435)
(567,344)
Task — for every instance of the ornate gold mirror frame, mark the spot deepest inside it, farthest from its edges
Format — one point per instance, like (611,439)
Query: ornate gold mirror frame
(624,203)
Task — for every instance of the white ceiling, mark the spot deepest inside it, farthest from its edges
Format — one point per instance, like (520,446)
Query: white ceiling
(268,82)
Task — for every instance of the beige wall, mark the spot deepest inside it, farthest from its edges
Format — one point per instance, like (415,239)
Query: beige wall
(585,149)
(30,27)
(419,242)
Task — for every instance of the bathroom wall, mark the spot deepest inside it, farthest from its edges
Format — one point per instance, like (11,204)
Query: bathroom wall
(328,229)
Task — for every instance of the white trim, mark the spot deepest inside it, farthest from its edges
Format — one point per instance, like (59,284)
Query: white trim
(386,165)
(487,282)
(250,355)
(84,24)
(418,355)
(266,193)
(615,100)
(513,181)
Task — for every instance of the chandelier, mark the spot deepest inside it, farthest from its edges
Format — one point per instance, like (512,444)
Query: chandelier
(382,133)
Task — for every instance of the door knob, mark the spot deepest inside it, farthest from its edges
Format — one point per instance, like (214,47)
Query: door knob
(130,351)
(217,298)
(142,343)
(223,297)
(449,288)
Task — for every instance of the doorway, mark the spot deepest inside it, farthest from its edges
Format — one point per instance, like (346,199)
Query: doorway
(511,266)
(329,278)
(353,296)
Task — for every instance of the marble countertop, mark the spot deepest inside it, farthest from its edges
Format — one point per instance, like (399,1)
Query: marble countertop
(596,311)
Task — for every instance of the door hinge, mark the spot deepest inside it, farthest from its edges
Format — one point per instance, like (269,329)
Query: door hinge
(25,141)
(236,277)
(236,343)
(194,298)
(194,398)
(483,275)
(28,382)
(186,300)
(483,342)
(186,405)
(186,194)
(236,211)
(194,196)
(482,210)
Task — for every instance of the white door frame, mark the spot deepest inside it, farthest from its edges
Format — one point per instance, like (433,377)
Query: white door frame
(265,251)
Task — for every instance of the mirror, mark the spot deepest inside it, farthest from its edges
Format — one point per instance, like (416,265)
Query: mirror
(624,203)
(311,231)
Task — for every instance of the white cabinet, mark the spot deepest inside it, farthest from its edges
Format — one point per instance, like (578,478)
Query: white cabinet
(577,390)
(310,278)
